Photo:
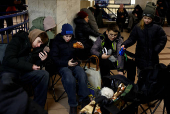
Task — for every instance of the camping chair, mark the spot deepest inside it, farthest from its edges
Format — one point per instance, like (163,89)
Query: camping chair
(131,99)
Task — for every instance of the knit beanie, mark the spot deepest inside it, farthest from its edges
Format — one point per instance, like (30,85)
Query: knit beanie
(149,10)
(66,29)
(49,23)
(34,34)
(82,14)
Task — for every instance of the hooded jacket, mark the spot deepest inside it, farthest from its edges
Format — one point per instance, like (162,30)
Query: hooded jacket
(150,42)
(18,55)
(38,24)
(98,46)
(83,31)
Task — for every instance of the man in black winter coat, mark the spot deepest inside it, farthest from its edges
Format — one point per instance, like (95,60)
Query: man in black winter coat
(63,54)
(82,32)
(22,61)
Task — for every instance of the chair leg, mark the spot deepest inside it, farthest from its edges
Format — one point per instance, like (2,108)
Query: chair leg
(52,86)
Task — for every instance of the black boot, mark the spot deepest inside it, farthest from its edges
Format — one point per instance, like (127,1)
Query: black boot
(73,110)
(85,102)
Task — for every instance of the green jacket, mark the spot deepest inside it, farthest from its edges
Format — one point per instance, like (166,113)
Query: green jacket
(38,24)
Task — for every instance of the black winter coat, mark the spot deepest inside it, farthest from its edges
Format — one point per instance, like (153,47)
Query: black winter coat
(150,42)
(83,31)
(18,56)
(61,52)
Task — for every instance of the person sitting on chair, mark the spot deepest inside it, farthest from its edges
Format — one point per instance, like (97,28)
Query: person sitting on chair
(107,49)
(63,54)
(82,32)
(22,62)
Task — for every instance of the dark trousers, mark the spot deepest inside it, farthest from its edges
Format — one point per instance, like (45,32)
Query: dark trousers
(38,79)
(69,77)
(105,67)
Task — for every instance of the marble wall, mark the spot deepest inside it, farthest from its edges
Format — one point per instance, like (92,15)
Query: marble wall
(63,11)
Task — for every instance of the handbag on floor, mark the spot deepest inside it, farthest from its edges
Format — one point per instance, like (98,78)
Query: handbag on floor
(93,74)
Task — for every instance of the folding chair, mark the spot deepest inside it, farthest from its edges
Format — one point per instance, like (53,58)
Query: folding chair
(50,67)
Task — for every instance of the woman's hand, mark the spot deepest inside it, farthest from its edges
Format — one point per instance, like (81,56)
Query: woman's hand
(123,46)
(104,56)
(72,64)
(43,56)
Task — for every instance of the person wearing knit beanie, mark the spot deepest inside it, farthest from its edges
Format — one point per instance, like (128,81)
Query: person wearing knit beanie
(67,29)
(63,52)
(150,10)
(82,14)
(48,23)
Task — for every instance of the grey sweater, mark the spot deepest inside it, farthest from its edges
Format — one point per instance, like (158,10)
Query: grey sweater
(97,50)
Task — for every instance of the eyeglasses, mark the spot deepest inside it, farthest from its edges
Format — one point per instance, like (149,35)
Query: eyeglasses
(113,35)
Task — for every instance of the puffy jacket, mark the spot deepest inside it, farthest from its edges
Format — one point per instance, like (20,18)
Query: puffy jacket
(18,56)
(150,42)
(38,24)
(61,52)
(92,20)
(97,48)
(83,31)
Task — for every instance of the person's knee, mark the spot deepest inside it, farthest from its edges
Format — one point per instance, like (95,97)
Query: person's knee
(43,76)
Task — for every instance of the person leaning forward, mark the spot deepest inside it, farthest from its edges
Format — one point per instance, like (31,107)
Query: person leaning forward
(22,62)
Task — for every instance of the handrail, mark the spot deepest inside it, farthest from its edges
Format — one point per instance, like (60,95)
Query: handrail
(14,15)
(21,24)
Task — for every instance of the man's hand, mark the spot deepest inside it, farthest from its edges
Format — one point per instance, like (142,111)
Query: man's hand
(43,56)
(120,73)
(72,64)
(35,67)
(104,56)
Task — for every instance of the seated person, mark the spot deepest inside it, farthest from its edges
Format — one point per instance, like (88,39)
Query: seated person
(63,54)
(22,62)
(82,32)
(46,24)
(92,20)
(135,17)
(107,49)
(121,17)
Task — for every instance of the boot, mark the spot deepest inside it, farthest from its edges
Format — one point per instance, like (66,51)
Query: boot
(73,110)
(85,102)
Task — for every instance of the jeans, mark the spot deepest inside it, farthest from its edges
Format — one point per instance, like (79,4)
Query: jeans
(69,77)
(38,79)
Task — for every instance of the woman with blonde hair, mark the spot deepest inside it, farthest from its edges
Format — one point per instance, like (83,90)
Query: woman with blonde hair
(150,38)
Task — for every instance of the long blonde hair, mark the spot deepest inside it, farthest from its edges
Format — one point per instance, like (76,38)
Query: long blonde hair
(141,24)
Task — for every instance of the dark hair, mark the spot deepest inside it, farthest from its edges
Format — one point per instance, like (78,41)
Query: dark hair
(114,27)
(91,9)
(44,37)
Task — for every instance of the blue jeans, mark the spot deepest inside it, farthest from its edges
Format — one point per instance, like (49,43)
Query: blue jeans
(38,79)
(69,77)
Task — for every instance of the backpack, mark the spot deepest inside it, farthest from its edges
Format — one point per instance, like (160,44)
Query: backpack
(152,82)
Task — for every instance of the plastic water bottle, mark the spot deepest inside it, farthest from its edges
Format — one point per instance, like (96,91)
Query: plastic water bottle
(121,52)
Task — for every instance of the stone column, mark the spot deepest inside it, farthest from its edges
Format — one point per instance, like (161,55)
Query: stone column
(63,11)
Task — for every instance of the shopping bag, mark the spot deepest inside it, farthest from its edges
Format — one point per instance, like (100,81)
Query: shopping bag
(93,74)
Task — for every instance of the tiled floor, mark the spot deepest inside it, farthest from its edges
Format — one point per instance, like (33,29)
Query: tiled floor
(62,106)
